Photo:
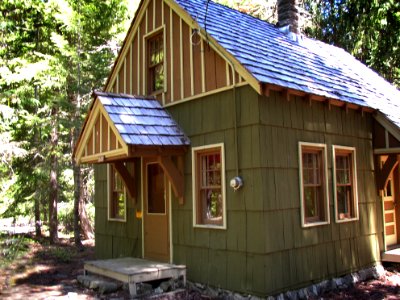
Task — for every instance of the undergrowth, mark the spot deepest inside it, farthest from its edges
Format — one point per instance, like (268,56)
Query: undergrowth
(12,247)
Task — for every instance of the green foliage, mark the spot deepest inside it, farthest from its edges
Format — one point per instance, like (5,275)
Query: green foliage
(52,54)
(61,254)
(367,29)
(12,247)
(66,216)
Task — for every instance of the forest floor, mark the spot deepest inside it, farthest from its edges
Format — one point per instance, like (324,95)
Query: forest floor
(38,270)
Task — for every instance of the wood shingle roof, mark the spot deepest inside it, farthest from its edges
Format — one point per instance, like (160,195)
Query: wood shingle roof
(142,121)
(307,65)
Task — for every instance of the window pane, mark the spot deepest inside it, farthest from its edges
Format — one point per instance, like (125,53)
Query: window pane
(343,171)
(117,195)
(346,204)
(210,198)
(388,189)
(312,196)
(156,63)
(314,185)
(344,200)
(155,189)
(311,168)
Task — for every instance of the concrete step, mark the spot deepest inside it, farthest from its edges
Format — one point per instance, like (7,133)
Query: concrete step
(104,286)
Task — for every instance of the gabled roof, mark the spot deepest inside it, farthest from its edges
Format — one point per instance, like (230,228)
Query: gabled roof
(142,121)
(308,65)
(122,126)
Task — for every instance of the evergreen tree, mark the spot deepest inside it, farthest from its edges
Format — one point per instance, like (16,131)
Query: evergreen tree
(370,30)
(52,54)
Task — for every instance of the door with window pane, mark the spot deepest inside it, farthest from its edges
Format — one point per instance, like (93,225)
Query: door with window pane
(156,205)
(390,212)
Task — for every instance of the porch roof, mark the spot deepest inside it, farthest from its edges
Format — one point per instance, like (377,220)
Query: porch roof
(120,126)
(142,121)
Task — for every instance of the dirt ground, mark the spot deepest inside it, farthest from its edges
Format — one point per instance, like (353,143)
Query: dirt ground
(50,272)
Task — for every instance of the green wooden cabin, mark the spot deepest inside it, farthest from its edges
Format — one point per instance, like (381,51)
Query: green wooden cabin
(261,180)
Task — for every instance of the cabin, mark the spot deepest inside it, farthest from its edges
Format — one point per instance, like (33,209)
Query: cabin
(260,159)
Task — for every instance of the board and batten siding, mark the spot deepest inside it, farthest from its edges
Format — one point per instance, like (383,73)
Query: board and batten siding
(115,238)
(192,67)
(264,249)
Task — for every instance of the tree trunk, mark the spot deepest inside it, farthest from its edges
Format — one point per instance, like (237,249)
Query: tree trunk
(53,191)
(38,223)
(77,172)
(38,229)
(77,201)
(86,227)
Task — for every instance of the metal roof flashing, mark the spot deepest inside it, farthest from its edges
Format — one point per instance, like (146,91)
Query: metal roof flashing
(295,37)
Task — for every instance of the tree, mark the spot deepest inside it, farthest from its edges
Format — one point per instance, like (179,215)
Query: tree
(367,29)
(52,54)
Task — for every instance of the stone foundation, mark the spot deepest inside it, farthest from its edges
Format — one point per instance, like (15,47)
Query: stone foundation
(314,290)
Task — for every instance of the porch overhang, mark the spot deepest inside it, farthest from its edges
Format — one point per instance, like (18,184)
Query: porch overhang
(120,127)
(386,143)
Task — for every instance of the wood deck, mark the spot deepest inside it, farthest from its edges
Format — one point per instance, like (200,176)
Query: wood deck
(134,270)
(392,255)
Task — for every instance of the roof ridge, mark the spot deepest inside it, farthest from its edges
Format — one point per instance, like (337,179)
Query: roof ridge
(121,95)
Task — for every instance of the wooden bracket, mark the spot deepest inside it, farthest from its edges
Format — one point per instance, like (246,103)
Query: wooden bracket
(387,168)
(265,90)
(127,178)
(308,99)
(286,95)
(175,175)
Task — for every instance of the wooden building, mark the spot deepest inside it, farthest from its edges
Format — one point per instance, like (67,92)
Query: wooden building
(268,162)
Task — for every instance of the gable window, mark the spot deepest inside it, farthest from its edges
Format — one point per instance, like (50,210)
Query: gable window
(345,184)
(208,167)
(313,183)
(155,63)
(116,196)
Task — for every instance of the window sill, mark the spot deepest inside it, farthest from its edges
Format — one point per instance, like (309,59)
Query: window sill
(314,224)
(117,220)
(210,226)
(346,220)
(157,93)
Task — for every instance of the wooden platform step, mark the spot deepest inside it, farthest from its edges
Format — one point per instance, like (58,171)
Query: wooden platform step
(135,270)
(391,255)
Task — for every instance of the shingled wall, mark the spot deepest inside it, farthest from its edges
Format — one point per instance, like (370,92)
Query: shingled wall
(264,249)
(114,238)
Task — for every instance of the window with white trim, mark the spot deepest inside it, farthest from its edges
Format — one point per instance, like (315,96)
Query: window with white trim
(208,167)
(313,184)
(345,183)
(116,196)
(155,63)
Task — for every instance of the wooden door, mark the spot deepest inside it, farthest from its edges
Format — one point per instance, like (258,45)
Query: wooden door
(156,214)
(389,205)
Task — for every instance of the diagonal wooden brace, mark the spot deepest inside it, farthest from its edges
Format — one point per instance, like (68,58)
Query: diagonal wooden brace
(127,178)
(175,176)
(384,172)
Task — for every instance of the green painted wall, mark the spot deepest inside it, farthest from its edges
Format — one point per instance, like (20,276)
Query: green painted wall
(113,238)
(264,249)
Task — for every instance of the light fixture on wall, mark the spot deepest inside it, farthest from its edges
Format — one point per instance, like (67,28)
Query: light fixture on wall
(236,183)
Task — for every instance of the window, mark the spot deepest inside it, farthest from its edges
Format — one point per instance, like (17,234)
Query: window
(155,189)
(155,48)
(116,196)
(208,168)
(313,182)
(345,183)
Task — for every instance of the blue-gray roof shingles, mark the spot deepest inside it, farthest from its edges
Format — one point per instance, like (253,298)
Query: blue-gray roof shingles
(142,121)
(310,66)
